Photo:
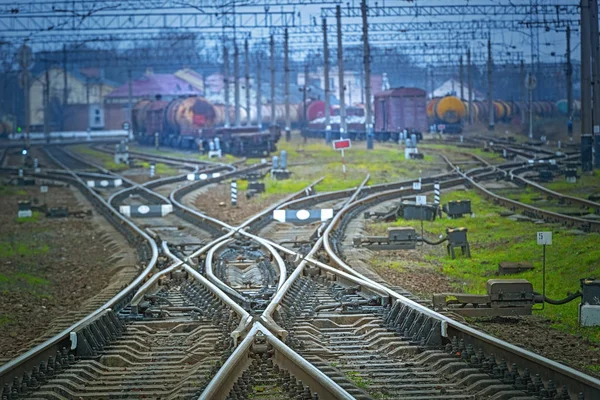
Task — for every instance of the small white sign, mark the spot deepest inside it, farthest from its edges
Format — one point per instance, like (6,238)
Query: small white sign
(416,185)
(421,200)
(596,129)
(544,238)
(44,189)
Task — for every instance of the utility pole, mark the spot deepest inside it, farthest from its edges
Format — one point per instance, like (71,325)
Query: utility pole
(46,107)
(272,49)
(247,78)
(460,78)
(431,84)
(286,70)
(367,79)
(226,84)
(523,93)
(490,86)
(569,74)
(65,88)
(130,95)
(340,56)
(326,83)
(586,72)
(304,93)
(595,53)
(236,83)
(258,95)
(470,87)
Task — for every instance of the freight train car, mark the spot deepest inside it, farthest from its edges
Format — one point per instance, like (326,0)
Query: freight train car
(449,112)
(399,109)
(192,123)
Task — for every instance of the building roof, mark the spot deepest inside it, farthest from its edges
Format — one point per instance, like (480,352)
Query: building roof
(191,77)
(151,85)
(452,87)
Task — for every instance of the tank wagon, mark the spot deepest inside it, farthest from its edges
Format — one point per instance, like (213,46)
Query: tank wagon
(452,113)
(193,122)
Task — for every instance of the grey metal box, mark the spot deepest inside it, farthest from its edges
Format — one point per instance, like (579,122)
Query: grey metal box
(509,289)
(458,207)
(420,213)
(589,315)
(402,233)
(259,187)
(457,236)
(591,291)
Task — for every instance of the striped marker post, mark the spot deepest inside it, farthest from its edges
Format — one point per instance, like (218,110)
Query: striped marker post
(234,193)
(436,198)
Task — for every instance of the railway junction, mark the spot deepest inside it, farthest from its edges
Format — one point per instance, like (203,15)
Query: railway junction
(299,199)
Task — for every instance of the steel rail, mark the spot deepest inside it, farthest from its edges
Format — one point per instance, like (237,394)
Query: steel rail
(245,317)
(218,388)
(233,230)
(584,224)
(561,197)
(30,358)
(267,315)
(575,380)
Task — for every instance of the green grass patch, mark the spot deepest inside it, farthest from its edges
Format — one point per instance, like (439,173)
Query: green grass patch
(104,159)
(35,216)
(358,380)
(494,239)
(6,319)
(227,158)
(161,169)
(24,282)
(11,191)
(450,149)
(314,159)
(586,184)
(12,249)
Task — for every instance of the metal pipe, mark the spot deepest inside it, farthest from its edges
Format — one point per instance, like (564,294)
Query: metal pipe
(247,79)
(272,50)
(595,69)
(470,86)
(569,75)
(236,81)
(341,82)
(286,71)
(460,78)
(367,79)
(326,83)
(258,95)
(490,86)
(226,83)
(586,71)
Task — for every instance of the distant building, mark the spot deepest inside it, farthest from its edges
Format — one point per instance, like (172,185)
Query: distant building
(452,87)
(353,81)
(85,94)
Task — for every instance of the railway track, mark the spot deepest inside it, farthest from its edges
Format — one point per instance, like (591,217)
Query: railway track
(324,330)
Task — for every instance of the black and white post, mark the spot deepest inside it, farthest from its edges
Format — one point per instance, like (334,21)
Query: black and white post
(436,193)
(234,193)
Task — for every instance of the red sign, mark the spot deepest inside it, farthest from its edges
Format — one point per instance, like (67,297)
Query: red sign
(341,144)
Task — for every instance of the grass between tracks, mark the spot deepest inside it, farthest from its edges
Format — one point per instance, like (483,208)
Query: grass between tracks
(105,160)
(227,158)
(314,159)
(494,239)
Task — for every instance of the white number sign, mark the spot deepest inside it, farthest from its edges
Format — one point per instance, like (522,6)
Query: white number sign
(544,238)
(416,185)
